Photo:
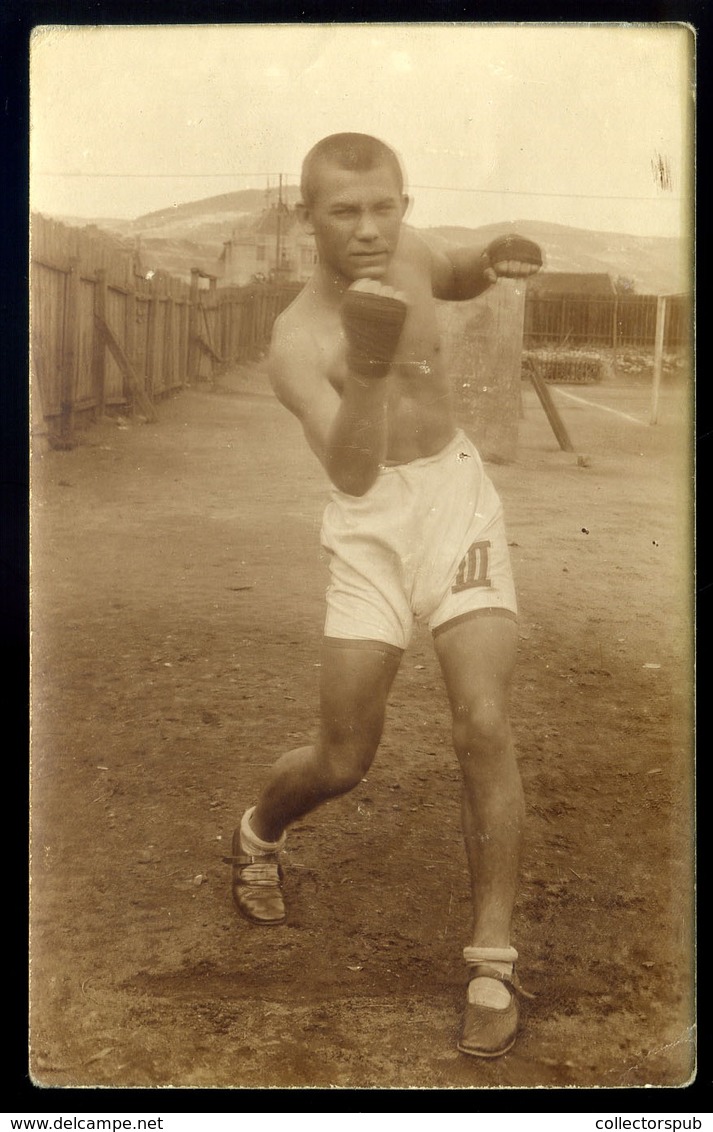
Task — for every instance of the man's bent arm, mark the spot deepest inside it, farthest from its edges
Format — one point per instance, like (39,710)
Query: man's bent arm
(348,432)
(356,443)
(466,273)
(458,273)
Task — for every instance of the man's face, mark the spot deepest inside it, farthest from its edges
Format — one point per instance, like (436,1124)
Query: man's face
(356,219)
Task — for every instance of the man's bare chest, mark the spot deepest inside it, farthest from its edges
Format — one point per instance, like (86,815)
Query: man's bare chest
(417,362)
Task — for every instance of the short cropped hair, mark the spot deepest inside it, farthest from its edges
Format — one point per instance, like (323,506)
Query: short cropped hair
(356,152)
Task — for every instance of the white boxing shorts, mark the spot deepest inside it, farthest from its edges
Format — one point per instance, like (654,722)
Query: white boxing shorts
(427,542)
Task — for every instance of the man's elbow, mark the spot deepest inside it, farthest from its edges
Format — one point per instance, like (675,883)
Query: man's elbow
(353,481)
(357,488)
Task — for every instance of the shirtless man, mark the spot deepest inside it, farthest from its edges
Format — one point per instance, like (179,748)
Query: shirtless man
(414,530)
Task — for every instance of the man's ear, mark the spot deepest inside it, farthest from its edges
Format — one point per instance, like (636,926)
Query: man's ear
(406,203)
(305,217)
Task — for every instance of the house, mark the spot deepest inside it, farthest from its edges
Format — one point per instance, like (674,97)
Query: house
(277,248)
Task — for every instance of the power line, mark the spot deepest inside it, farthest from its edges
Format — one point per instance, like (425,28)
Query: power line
(430,188)
(152,176)
(529,193)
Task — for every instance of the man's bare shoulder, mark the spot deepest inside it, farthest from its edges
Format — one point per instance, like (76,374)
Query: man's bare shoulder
(295,363)
(289,328)
(424,256)
(413,241)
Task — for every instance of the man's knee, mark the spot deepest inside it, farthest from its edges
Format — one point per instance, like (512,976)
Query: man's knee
(480,729)
(346,754)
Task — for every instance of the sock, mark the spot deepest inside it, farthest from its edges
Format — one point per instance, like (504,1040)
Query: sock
(490,992)
(253,845)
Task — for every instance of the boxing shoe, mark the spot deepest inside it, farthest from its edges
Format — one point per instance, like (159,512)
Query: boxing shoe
(257,885)
(490,1031)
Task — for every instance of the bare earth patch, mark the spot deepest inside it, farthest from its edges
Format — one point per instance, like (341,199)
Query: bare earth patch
(178,601)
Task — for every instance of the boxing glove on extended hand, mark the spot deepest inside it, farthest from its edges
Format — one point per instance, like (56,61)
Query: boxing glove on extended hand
(372,324)
(513,249)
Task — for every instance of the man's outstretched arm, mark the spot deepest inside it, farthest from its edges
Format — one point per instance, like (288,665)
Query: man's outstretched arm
(460,273)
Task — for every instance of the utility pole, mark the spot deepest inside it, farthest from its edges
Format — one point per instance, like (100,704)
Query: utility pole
(278,242)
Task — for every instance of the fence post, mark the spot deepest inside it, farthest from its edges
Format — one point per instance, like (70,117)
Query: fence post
(99,349)
(169,375)
(193,320)
(151,339)
(70,352)
(183,319)
(658,358)
(130,335)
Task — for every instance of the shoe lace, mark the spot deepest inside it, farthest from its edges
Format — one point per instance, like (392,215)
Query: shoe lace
(261,873)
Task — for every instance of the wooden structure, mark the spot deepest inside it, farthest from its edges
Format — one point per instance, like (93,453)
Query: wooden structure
(105,334)
(606,321)
(483,343)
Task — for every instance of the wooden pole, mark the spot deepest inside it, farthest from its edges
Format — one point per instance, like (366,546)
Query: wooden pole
(183,318)
(70,352)
(169,375)
(99,350)
(278,236)
(130,336)
(193,327)
(558,426)
(658,358)
(151,339)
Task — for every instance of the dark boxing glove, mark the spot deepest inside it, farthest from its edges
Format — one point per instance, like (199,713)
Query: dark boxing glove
(514,249)
(372,325)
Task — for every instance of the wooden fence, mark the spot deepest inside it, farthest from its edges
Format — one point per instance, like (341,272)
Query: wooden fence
(609,321)
(105,333)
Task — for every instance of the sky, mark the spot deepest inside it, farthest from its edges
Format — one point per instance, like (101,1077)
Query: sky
(584,125)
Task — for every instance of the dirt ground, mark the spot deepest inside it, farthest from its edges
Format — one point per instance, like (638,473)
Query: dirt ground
(177,609)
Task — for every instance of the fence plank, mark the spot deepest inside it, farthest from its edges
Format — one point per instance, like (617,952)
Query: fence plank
(209,343)
(151,336)
(47,306)
(69,352)
(116,305)
(193,327)
(99,358)
(169,378)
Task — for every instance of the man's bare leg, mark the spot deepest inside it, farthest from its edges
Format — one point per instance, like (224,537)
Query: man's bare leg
(354,687)
(477,658)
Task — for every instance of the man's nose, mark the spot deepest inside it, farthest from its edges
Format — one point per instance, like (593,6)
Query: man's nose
(366,228)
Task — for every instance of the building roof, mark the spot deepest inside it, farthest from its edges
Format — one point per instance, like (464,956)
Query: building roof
(265,227)
(267,223)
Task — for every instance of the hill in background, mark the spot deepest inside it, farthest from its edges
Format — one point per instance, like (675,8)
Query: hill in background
(192,235)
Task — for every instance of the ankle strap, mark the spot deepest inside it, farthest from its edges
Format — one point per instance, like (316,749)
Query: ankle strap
(489,954)
(484,971)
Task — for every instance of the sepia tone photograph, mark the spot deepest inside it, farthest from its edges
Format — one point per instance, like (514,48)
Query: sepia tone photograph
(362,587)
